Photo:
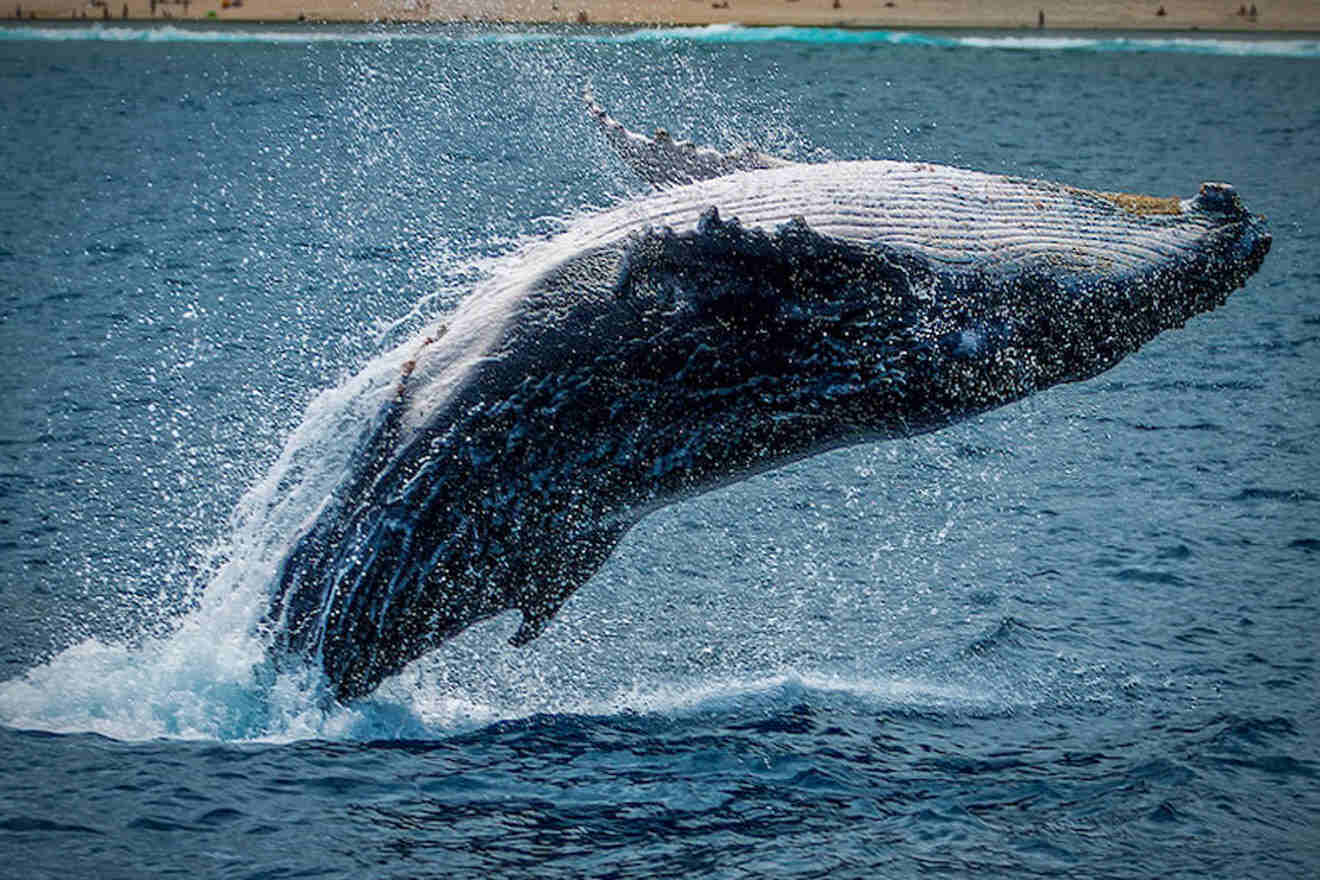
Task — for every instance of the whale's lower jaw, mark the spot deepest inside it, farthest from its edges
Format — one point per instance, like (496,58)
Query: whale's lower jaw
(592,384)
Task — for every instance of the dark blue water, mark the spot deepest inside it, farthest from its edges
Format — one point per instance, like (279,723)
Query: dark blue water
(1075,637)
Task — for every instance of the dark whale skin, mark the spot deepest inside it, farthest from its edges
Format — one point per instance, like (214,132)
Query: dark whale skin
(655,351)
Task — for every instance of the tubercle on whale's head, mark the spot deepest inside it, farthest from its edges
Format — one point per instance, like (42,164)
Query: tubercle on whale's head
(1232,248)
(1215,197)
(1245,236)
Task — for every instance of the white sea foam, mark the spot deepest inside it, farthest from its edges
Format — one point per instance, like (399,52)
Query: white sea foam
(1246,46)
(421,711)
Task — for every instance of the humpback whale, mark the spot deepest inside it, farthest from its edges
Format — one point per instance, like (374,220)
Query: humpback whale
(747,313)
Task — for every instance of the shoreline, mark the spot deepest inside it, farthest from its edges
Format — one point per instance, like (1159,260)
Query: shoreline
(74,22)
(1279,17)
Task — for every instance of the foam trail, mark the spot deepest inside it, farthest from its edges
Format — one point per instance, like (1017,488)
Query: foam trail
(428,711)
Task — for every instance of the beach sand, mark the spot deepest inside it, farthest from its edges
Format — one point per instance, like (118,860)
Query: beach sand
(1271,15)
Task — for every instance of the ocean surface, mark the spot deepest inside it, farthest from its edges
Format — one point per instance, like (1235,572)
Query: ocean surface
(1075,637)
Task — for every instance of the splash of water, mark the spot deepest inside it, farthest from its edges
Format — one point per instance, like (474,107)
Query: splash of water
(210,677)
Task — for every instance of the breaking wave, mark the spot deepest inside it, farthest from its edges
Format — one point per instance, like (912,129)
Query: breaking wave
(1100,42)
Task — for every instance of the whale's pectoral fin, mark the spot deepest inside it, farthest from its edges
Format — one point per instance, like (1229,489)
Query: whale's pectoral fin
(564,570)
(535,619)
(663,161)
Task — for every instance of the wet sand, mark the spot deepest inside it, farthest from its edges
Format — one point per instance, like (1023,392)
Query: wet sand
(1217,15)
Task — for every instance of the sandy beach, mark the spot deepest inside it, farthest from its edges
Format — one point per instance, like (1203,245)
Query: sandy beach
(1167,15)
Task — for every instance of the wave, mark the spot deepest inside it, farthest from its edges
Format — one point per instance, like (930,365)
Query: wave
(138,33)
(1076,42)
(162,691)
(1105,42)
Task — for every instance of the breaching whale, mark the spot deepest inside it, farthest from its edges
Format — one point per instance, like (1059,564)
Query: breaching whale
(748,313)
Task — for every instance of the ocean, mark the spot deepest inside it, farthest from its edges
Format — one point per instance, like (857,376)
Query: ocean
(1073,637)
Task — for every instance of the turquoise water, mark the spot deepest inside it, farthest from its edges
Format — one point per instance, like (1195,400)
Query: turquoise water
(1075,637)
(1236,44)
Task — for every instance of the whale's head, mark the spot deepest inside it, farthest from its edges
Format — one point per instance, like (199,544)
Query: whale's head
(901,313)
(1084,288)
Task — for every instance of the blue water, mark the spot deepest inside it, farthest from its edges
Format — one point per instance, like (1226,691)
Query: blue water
(1074,637)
